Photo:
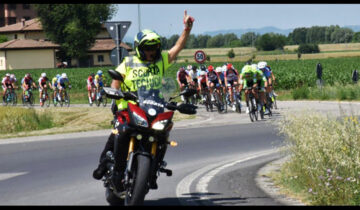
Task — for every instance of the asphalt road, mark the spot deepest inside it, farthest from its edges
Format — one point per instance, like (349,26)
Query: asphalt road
(58,171)
(215,163)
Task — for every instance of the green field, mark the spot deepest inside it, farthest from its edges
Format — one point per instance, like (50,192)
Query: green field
(290,74)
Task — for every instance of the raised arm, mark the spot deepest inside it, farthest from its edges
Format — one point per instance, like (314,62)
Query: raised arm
(180,43)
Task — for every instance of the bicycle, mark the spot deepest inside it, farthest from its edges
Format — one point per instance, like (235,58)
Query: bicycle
(64,98)
(10,97)
(207,101)
(100,98)
(236,98)
(28,98)
(45,99)
(219,100)
(253,110)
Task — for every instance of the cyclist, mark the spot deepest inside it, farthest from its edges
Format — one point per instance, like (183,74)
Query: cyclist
(247,80)
(28,83)
(194,79)
(90,86)
(182,78)
(13,80)
(213,81)
(268,74)
(54,85)
(261,85)
(99,81)
(62,82)
(231,79)
(202,84)
(203,68)
(6,83)
(42,86)
(148,51)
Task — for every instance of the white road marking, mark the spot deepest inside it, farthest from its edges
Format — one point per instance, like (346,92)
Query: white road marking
(183,192)
(5,176)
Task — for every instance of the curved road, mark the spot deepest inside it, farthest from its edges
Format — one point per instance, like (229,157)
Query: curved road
(215,163)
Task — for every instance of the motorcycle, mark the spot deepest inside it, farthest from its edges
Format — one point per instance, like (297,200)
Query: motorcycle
(148,126)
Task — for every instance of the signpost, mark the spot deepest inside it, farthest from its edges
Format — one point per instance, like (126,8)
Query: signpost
(200,56)
(117,31)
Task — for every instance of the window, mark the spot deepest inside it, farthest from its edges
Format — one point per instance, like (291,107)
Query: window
(2,21)
(15,36)
(26,18)
(100,58)
(26,6)
(12,6)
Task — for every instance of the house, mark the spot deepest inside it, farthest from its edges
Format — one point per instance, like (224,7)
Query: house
(13,13)
(28,48)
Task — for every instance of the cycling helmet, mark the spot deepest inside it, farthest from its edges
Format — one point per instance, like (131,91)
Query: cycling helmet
(99,72)
(27,75)
(181,68)
(147,39)
(194,67)
(58,75)
(211,68)
(218,69)
(12,76)
(262,64)
(7,75)
(92,74)
(63,75)
(247,69)
(189,67)
(203,68)
(229,66)
(43,74)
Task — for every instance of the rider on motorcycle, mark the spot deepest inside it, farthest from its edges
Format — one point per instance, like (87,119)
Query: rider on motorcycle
(147,66)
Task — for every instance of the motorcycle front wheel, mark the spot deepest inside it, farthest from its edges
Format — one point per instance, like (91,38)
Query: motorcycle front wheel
(135,194)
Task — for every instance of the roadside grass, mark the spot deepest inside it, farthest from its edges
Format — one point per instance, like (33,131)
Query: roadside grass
(21,122)
(349,92)
(324,164)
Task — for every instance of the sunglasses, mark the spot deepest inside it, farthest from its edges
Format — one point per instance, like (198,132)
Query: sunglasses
(150,47)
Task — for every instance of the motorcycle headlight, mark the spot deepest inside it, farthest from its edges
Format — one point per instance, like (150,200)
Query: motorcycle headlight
(140,121)
(159,125)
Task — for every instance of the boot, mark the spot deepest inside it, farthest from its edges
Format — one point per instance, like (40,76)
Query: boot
(100,171)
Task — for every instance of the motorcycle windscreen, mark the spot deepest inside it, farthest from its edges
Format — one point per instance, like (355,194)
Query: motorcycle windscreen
(151,101)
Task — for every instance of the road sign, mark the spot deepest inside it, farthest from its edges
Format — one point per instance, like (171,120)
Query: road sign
(117,31)
(200,56)
(114,55)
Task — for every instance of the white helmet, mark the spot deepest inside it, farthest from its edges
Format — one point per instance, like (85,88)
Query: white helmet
(43,74)
(63,75)
(99,72)
(189,67)
(202,73)
(12,76)
(218,69)
(262,64)
(7,75)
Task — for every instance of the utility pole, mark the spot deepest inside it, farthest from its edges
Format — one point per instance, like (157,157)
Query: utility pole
(139,20)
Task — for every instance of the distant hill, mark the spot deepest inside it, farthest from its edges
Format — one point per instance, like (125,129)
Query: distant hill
(260,31)
(239,32)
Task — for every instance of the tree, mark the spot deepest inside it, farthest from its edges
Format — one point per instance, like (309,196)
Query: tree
(3,38)
(249,38)
(73,26)
(229,38)
(215,41)
(231,54)
(356,37)
(202,40)
(270,41)
(191,42)
(298,36)
(172,40)
(308,48)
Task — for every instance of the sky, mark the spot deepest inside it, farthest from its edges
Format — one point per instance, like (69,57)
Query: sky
(167,19)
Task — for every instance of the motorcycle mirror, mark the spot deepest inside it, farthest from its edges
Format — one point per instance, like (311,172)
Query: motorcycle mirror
(115,75)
